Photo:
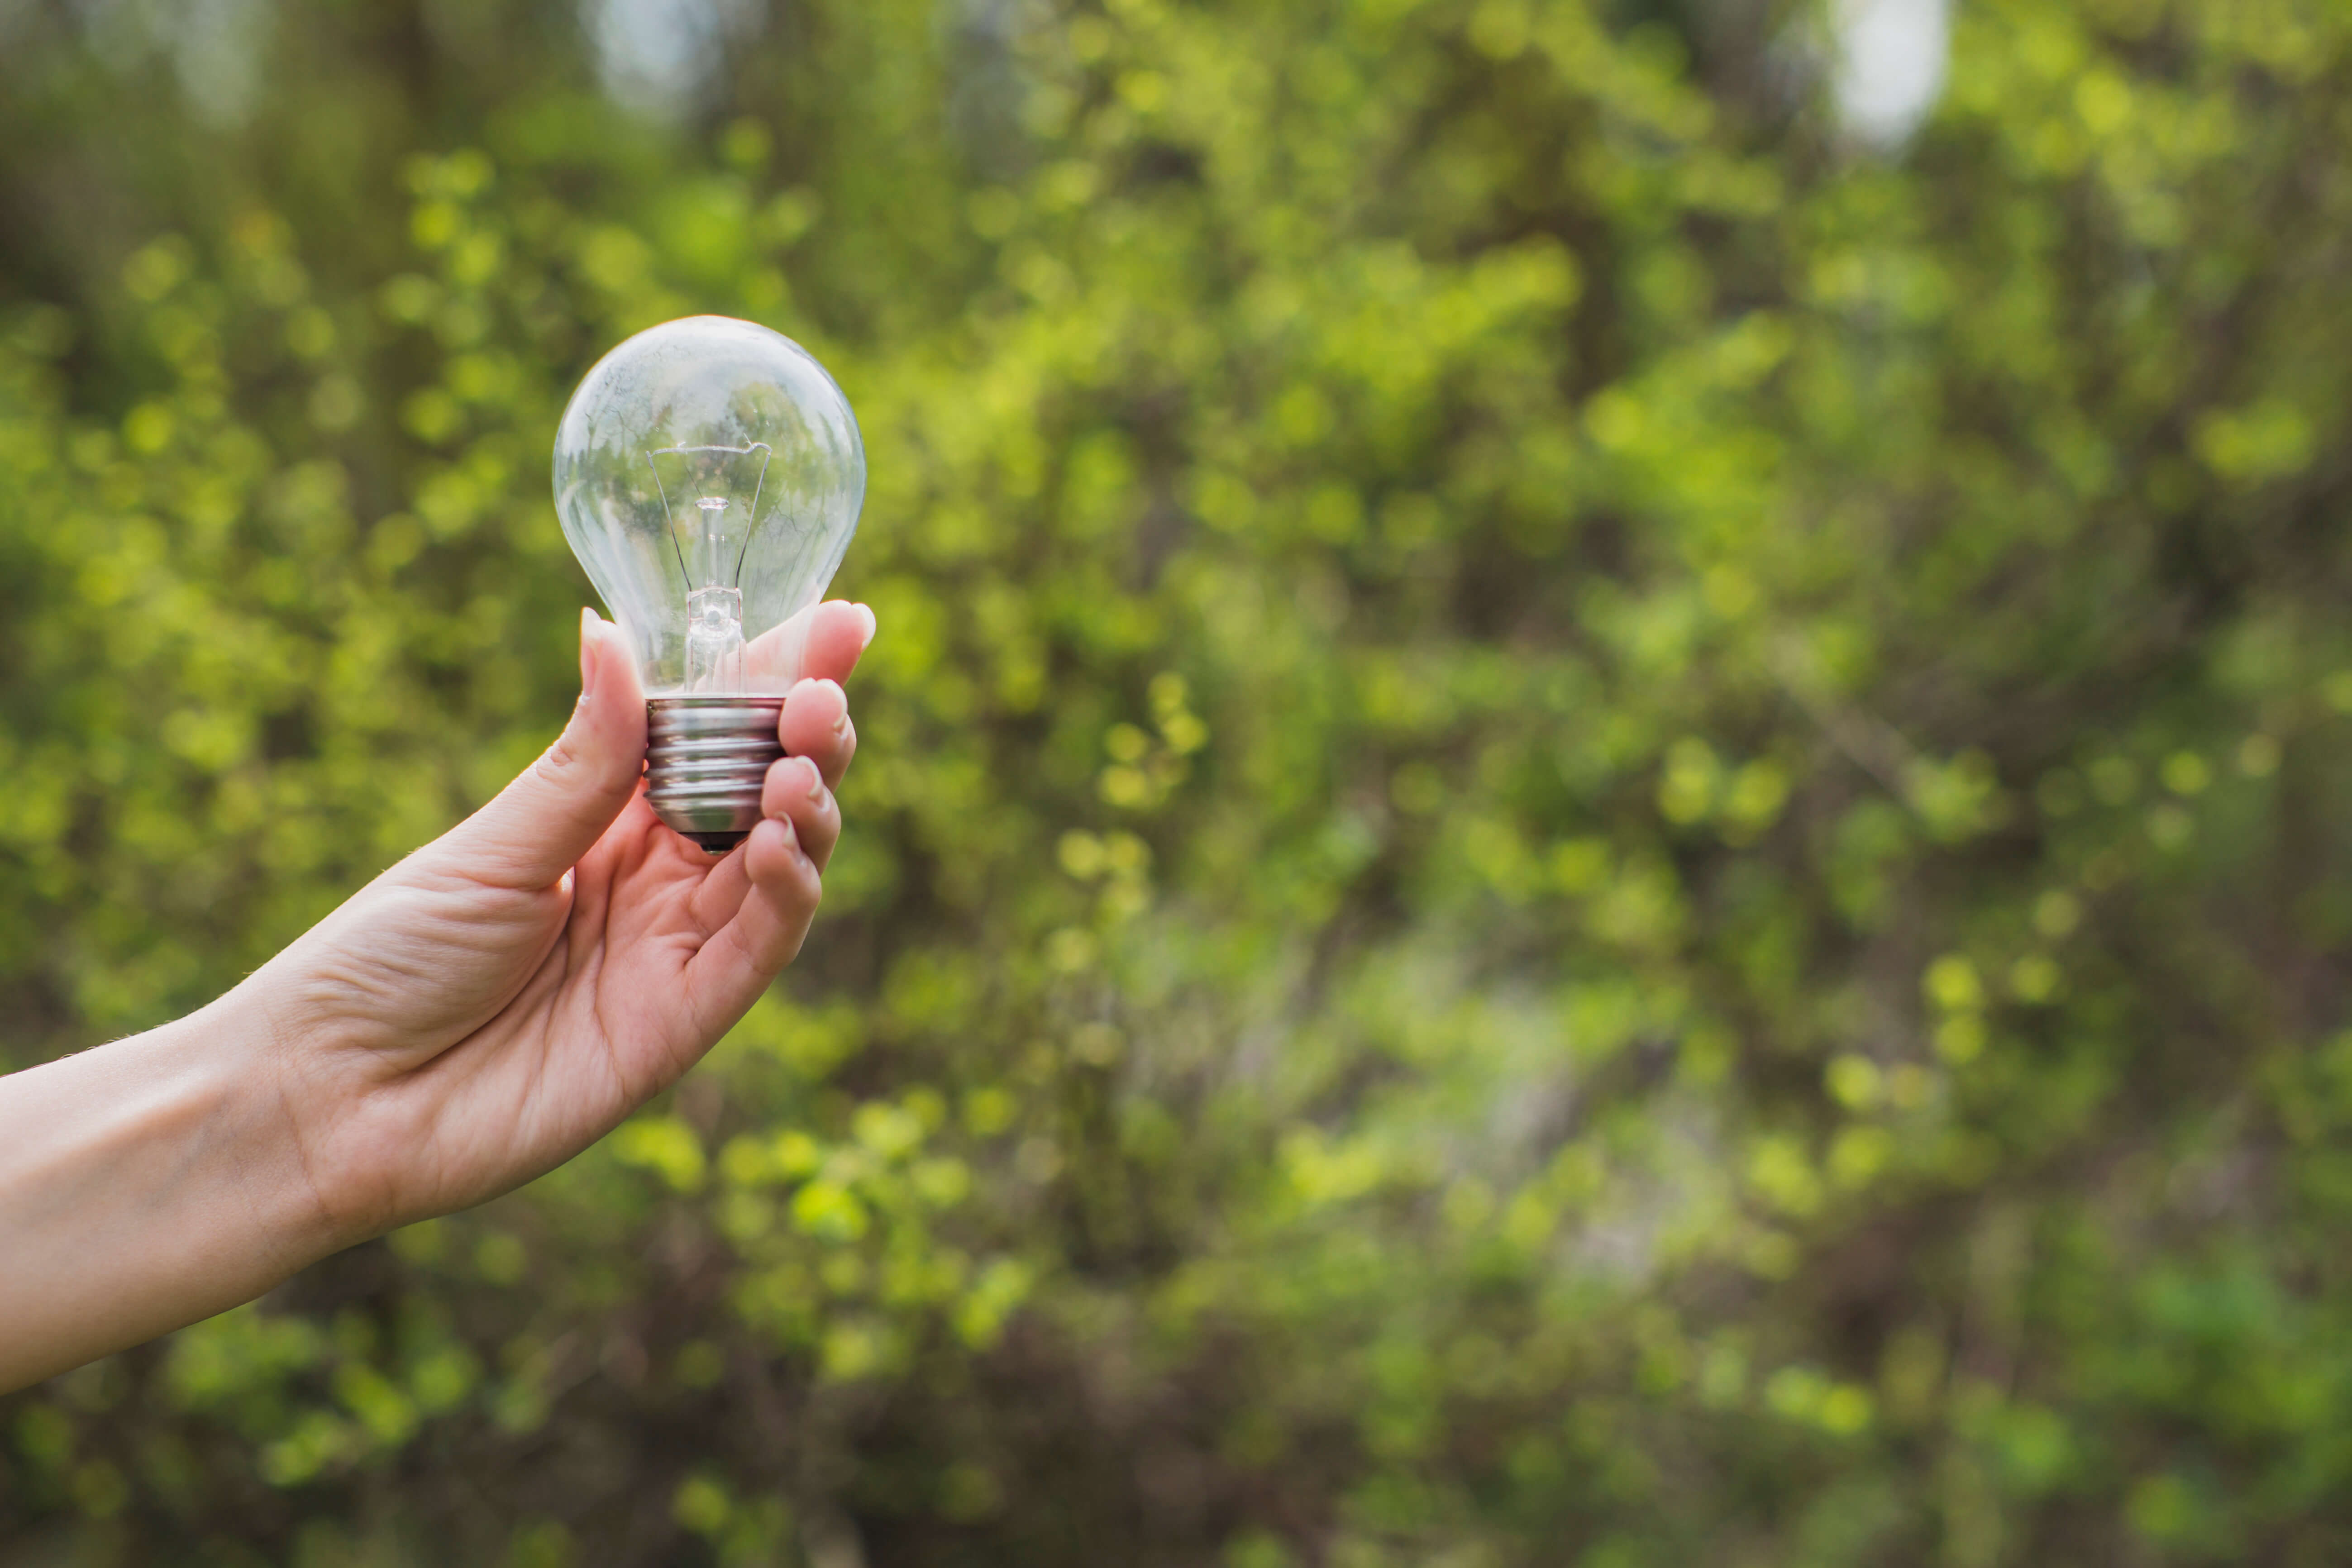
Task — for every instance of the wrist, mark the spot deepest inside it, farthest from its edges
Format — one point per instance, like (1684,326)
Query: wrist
(149,1184)
(279,1057)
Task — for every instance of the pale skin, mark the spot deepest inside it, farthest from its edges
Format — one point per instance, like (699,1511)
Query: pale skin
(475,1017)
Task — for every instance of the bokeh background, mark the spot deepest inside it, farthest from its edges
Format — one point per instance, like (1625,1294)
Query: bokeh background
(1605,816)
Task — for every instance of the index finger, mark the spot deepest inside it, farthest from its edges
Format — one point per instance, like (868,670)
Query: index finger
(821,643)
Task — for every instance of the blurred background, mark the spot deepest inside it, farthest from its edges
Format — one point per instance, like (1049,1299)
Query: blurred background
(1605,814)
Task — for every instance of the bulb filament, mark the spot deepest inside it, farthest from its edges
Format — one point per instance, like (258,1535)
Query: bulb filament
(714,593)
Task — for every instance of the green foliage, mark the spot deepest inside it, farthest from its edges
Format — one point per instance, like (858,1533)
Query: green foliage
(1589,830)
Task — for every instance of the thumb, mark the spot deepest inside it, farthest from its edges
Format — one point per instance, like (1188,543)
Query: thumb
(539,827)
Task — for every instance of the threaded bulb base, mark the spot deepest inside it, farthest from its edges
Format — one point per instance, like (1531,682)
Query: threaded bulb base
(706,759)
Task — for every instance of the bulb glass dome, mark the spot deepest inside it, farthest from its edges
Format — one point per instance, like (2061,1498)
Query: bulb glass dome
(709,475)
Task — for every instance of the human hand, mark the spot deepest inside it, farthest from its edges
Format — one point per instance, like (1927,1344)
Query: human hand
(509,993)
(479,1013)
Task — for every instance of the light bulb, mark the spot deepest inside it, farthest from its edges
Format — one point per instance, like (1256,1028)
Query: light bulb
(709,475)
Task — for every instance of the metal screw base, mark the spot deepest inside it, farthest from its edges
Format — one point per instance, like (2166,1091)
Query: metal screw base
(706,762)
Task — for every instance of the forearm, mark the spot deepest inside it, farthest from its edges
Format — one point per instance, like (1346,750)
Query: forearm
(143,1185)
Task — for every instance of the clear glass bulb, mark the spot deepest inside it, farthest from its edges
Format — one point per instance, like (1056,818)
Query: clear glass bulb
(709,475)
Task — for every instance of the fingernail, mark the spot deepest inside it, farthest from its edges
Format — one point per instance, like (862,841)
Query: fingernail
(587,665)
(840,725)
(816,780)
(867,641)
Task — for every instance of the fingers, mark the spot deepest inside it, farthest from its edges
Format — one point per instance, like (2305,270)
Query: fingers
(795,789)
(822,642)
(838,636)
(758,903)
(736,964)
(796,793)
(816,724)
(543,822)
